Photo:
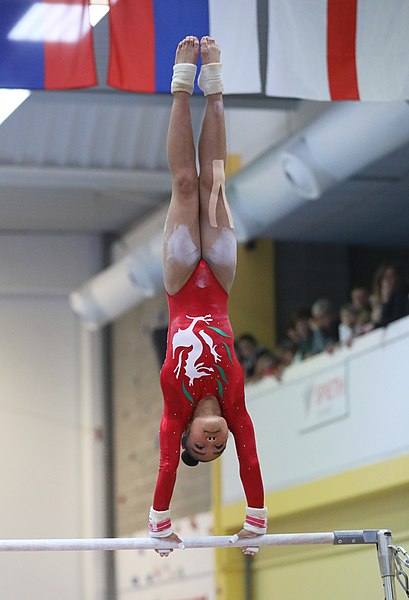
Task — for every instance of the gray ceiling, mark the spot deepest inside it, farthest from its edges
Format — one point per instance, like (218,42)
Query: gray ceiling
(370,208)
(81,161)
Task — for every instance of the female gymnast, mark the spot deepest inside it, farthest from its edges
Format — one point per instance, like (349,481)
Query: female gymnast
(201,379)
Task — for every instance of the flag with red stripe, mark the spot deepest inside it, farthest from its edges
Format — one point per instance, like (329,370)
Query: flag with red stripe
(46,44)
(338,49)
(145,33)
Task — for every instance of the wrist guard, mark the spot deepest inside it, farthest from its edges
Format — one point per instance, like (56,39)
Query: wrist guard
(256,520)
(159,523)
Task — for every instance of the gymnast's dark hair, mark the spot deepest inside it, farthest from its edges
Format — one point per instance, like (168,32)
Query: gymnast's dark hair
(186,457)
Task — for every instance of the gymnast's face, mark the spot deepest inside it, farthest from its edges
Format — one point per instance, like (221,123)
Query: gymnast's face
(207,438)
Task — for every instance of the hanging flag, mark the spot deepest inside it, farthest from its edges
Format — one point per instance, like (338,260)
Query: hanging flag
(338,49)
(145,33)
(46,44)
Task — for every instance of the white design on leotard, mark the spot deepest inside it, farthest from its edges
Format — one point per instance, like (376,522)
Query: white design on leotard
(187,338)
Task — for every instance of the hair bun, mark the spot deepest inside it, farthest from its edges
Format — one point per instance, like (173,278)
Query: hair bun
(188,459)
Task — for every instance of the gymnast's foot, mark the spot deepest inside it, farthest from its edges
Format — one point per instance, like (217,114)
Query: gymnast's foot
(187,50)
(210,77)
(209,50)
(184,69)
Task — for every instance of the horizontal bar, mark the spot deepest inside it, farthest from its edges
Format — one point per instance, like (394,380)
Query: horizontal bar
(367,536)
(277,539)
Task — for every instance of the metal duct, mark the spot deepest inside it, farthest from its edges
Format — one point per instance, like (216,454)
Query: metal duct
(342,141)
(125,283)
(346,139)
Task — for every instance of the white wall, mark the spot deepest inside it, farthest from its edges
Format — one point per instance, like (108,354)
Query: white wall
(51,470)
(330,414)
(187,575)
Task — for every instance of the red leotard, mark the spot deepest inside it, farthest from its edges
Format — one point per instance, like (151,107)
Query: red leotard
(200,361)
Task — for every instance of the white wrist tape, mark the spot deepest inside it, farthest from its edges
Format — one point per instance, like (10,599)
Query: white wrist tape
(256,520)
(183,79)
(159,523)
(210,79)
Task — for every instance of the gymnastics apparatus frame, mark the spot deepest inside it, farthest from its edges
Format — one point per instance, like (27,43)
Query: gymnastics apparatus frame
(392,559)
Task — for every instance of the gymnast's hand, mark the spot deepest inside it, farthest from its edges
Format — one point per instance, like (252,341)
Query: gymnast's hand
(172,538)
(250,550)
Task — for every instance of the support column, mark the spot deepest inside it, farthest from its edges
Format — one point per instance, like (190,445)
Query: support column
(386,563)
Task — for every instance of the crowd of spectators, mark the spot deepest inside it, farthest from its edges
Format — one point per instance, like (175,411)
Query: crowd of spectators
(322,328)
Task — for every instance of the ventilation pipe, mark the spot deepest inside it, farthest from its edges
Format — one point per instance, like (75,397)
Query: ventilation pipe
(342,141)
(127,282)
(345,139)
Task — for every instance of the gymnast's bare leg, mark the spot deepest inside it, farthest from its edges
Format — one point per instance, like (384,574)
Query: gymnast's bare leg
(181,246)
(218,243)
(189,235)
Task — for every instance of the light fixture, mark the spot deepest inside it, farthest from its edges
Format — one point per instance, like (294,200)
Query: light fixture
(46,22)
(10,100)
(97,12)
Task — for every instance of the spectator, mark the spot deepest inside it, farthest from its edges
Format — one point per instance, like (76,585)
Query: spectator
(301,333)
(390,296)
(360,301)
(349,326)
(325,328)
(285,352)
(394,295)
(248,350)
(266,364)
(376,312)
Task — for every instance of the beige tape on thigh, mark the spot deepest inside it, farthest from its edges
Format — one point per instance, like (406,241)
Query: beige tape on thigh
(218,183)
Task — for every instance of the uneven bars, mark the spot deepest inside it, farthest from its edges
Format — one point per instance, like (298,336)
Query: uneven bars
(368,536)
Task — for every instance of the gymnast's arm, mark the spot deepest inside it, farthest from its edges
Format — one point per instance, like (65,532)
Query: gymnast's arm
(170,433)
(241,427)
(250,473)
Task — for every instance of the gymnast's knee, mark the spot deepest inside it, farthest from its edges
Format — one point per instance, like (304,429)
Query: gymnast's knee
(185,182)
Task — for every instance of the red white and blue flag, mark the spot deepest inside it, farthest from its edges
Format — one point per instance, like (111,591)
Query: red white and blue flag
(317,49)
(338,49)
(46,44)
(145,33)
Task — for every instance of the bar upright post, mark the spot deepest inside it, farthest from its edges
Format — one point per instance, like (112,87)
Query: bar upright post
(386,563)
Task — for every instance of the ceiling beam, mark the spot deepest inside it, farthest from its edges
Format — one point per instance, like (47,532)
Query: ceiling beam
(141,181)
(108,95)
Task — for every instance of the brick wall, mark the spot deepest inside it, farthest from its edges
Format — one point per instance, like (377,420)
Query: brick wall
(137,409)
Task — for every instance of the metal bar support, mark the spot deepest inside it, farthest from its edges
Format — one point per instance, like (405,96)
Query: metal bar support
(386,563)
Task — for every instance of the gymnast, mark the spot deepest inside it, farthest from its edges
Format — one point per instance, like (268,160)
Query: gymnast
(201,379)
